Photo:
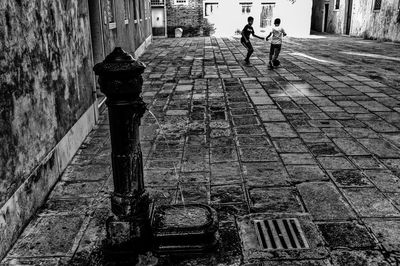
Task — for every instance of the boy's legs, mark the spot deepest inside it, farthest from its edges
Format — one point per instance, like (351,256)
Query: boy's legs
(277,50)
(271,55)
(250,50)
(271,52)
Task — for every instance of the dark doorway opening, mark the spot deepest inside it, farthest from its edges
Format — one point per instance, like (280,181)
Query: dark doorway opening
(96,33)
(348,16)
(326,12)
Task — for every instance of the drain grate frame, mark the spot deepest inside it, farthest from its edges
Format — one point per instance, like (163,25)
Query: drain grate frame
(280,234)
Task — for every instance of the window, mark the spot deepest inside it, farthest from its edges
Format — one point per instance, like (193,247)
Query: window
(140,10)
(377,5)
(157,2)
(210,8)
(180,2)
(147,9)
(337,4)
(246,8)
(267,13)
(126,11)
(134,11)
(110,9)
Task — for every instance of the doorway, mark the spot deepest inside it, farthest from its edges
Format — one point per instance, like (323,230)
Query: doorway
(97,37)
(326,13)
(158,21)
(349,12)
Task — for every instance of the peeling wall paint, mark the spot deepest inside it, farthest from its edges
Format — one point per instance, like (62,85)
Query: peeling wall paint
(46,81)
(383,24)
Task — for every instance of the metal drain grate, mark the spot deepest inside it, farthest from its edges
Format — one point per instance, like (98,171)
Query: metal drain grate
(278,234)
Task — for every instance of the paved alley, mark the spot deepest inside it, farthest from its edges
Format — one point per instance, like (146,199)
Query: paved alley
(317,139)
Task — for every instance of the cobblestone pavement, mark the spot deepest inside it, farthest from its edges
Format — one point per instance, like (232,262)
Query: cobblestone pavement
(317,138)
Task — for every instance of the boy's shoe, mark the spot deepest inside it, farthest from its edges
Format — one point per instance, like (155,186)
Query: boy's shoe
(270,65)
(247,61)
(276,62)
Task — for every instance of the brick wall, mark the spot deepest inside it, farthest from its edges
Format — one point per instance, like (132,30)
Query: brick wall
(189,17)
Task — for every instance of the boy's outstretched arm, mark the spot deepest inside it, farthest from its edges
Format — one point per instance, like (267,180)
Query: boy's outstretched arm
(261,38)
(269,35)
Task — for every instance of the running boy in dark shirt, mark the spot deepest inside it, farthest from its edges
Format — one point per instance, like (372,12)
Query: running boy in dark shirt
(245,40)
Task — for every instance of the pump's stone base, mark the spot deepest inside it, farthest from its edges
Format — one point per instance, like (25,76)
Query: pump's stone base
(126,238)
(190,228)
(127,230)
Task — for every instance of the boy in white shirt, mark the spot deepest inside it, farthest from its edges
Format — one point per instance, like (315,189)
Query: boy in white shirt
(276,42)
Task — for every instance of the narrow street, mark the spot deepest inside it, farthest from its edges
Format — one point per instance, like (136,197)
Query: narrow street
(317,139)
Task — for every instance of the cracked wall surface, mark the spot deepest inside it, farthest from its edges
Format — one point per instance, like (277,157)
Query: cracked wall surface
(383,24)
(46,86)
(46,81)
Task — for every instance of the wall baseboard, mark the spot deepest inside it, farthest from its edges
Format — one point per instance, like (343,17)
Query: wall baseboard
(142,48)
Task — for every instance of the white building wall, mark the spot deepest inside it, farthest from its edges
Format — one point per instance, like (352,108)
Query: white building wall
(228,18)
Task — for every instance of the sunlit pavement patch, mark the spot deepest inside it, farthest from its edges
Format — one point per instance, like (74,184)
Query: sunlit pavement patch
(331,62)
(377,56)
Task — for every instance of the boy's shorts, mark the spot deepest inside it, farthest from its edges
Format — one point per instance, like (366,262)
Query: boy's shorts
(247,45)
(275,48)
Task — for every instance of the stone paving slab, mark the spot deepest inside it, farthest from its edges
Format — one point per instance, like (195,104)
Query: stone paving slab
(347,235)
(315,137)
(324,201)
(347,257)
(370,202)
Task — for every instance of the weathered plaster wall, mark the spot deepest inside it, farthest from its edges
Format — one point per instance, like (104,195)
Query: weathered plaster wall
(188,17)
(296,16)
(138,32)
(336,17)
(383,24)
(228,17)
(46,84)
(46,81)
(129,35)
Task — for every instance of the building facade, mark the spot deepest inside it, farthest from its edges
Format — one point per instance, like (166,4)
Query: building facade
(167,15)
(48,99)
(375,19)
(227,17)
